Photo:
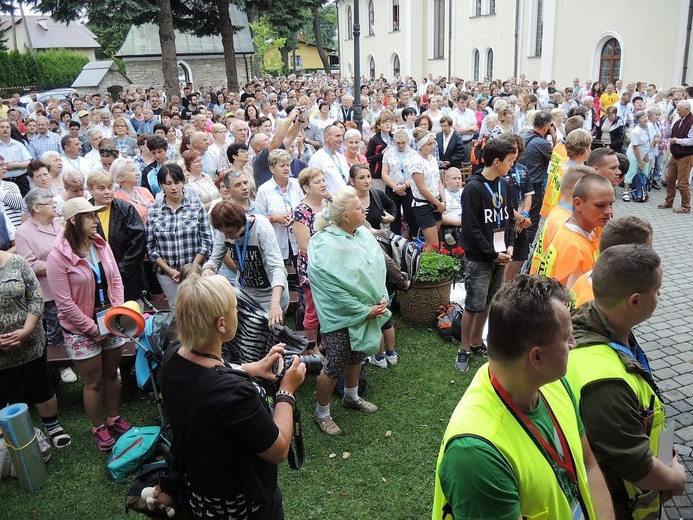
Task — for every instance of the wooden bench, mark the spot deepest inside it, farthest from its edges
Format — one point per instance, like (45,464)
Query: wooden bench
(58,358)
(466,171)
(293,301)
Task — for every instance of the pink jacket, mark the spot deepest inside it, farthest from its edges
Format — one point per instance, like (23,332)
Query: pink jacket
(73,285)
(34,243)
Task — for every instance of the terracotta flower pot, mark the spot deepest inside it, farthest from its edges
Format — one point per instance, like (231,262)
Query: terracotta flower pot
(420,304)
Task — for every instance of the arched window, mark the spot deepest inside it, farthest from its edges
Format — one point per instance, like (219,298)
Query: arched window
(395,65)
(371,19)
(489,64)
(438,29)
(475,64)
(477,8)
(371,67)
(610,63)
(184,73)
(350,24)
(492,7)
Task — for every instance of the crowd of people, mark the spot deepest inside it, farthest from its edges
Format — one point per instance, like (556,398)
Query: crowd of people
(105,198)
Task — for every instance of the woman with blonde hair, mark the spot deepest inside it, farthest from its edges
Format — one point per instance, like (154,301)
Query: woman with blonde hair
(125,174)
(346,271)
(381,140)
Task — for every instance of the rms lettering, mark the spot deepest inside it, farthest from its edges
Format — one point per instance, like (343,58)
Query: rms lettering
(491,215)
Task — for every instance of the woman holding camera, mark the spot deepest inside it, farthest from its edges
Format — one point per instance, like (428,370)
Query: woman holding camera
(230,456)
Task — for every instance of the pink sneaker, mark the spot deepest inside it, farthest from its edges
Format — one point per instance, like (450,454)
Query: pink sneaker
(102,438)
(117,427)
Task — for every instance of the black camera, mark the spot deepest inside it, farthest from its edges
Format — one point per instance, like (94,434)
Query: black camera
(313,364)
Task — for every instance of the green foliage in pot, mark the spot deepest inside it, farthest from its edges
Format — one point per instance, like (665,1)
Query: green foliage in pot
(437,266)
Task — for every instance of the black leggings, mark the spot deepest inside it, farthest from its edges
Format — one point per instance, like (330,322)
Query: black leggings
(403,204)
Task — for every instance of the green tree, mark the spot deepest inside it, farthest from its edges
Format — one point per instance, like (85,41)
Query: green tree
(328,26)
(111,38)
(266,41)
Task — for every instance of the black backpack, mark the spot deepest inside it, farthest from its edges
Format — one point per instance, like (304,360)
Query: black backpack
(638,188)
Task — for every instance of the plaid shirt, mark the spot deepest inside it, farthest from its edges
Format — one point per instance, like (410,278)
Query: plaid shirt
(39,145)
(177,237)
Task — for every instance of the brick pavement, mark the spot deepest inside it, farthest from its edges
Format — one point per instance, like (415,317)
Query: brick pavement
(667,337)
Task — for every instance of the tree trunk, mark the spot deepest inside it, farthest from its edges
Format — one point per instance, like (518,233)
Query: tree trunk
(284,51)
(226,30)
(167,40)
(254,17)
(318,40)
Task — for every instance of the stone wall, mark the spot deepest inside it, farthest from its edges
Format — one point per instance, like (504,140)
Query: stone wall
(145,73)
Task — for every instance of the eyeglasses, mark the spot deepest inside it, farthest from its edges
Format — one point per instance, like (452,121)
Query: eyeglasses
(3,165)
(51,203)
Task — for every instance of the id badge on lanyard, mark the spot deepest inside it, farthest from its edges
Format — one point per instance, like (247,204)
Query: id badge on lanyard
(499,241)
(102,309)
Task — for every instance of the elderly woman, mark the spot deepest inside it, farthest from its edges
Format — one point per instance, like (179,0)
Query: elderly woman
(125,174)
(346,271)
(278,197)
(34,240)
(198,179)
(398,183)
(39,174)
(506,121)
(125,144)
(22,343)
(611,129)
(381,140)
(122,227)
(178,230)
(55,166)
(352,147)
(74,187)
(312,182)
(227,408)
(254,249)
(84,279)
(558,119)
(427,189)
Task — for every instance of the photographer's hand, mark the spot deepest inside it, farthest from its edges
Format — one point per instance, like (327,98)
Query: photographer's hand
(263,368)
(294,376)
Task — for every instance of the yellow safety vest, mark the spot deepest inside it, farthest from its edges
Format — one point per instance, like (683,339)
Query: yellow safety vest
(481,413)
(553,223)
(553,186)
(600,362)
(569,255)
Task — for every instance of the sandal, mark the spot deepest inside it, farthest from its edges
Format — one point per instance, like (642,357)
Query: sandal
(327,425)
(59,439)
(682,210)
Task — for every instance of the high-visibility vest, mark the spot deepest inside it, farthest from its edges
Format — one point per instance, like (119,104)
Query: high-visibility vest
(601,362)
(554,221)
(481,413)
(569,256)
(553,186)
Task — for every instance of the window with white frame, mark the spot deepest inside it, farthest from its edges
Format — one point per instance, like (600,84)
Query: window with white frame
(350,24)
(538,27)
(395,15)
(395,65)
(371,67)
(438,29)
(489,64)
(477,7)
(492,7)
(371,19)
(476,58)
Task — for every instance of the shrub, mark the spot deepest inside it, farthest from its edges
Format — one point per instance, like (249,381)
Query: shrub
(46,70)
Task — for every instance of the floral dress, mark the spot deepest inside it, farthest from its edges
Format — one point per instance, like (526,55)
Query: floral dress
(304,214)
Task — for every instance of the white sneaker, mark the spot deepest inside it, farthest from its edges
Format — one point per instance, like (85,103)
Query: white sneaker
(67,375)
(381,363)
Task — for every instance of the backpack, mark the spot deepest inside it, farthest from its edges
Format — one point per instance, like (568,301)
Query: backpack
(449,321)
(476,156)
(638,188)
(132,450)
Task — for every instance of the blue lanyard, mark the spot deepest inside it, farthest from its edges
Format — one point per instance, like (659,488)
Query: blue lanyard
(497,201)
(241,256)
(400,158)
(121,146)
(639,355)
(284,196)
(337,164)
(97,273)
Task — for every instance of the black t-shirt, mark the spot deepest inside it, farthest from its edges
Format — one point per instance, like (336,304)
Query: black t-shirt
(229,424)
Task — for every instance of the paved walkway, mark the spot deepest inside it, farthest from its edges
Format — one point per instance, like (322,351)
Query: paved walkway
(667,336)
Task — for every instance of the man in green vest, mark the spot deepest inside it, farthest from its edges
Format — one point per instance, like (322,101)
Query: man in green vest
(619,402)
(515,446)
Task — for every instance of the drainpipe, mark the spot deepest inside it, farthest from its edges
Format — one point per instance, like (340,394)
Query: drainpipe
(450,39)
(516,38)
(684,71)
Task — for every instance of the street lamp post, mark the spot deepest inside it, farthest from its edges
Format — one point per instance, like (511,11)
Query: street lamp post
(358,111)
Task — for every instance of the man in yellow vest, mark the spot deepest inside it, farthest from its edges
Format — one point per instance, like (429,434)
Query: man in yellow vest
(619,402)
(575,247)
(515,446)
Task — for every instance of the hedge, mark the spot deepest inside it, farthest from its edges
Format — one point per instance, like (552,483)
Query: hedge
(46,70)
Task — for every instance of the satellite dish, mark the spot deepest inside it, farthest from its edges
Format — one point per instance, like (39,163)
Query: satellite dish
(125,320)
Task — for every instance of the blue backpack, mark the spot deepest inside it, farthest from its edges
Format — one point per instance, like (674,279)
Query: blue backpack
(638,188)
(134,448)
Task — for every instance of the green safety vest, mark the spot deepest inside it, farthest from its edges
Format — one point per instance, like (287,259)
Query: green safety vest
(600,362)
(481,413)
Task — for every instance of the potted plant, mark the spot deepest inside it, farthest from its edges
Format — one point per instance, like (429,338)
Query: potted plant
(431,289)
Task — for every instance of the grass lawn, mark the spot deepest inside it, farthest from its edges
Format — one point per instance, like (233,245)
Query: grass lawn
(383,477)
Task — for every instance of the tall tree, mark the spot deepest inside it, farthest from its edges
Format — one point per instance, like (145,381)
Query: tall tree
(315,6)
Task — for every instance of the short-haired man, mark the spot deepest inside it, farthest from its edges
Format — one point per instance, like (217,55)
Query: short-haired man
(500,453)
(106,124)
(16,156)
(608,98)
(44,140)
(450,145)
(681,148)
(333,164)
(538,151)
(72,156)
(575,246)
(623,230)
(620,404)
(605,162)
(488,233)
(464,122)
